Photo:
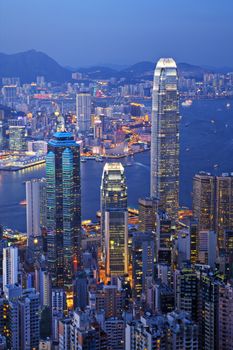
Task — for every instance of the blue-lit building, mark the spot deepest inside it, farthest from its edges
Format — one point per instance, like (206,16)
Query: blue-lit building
(63,208)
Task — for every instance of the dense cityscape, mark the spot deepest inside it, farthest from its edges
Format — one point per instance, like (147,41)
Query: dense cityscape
(116,180)
(153,277)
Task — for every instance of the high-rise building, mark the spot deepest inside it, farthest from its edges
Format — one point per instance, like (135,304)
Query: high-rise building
(17,141)
(143,255)
(10,266)
(35,191)
(225,317)
(186,291)
(63,208)
(165,136)
(83,111)
(147,214)
(114,219)
(207,243)
(213,203)
(203,200)
(224,206)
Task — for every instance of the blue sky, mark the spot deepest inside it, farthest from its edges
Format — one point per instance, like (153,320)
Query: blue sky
(87,32)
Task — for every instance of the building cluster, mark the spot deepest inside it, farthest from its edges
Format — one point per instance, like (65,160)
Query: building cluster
(164,283)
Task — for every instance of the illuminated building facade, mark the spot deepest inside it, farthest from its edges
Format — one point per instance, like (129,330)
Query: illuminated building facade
(143,260)
(10,266)
(35,190)
(213,203)
(17,138)
(147,214)
(63,208)
(203,200)
(224,206)
(165,136)
(114,219)
(83,111)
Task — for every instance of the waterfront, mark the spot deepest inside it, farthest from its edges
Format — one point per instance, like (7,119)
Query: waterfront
(206,144)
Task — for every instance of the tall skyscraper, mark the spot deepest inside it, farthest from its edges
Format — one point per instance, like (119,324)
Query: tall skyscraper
(213,203)
(224,206)
(10,266)
(63,208)
(83,111)
(143,252)
(147,214)
(35,190)
(114,219)
(203,200)
(165,136)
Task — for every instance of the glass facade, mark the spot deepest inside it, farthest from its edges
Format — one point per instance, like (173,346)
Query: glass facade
(63,208)
(114,219)
(165,136)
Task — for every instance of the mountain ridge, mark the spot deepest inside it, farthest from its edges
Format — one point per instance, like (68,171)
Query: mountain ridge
(29,64)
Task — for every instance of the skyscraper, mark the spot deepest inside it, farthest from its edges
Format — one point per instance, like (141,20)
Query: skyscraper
(165,136)
(203,200)
(63,208)
(114,219)
(83,111)
(35,190)
(10,266)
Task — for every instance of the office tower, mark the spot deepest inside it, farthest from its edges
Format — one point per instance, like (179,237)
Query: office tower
(142,260)
(147,214)
(10,266)
(208,311)
(17,141)
(186,291)
(114,219)
(193,231)
(213,203)
(36,204)
(225,317)
(207,243)
(224,206)
(203,200)
(165,136)
(83,111)
(164,240)
(63,208)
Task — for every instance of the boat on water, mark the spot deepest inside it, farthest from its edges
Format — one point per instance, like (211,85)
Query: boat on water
(187,103)
(23,202)
(99,159)
(83,160)
(228,105)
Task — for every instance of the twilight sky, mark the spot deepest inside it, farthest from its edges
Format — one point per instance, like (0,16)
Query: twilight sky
(86,32)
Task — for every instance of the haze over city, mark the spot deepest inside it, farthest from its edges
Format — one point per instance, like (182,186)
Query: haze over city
(81,33)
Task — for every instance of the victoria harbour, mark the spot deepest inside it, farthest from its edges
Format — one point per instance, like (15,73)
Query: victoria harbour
(206,141)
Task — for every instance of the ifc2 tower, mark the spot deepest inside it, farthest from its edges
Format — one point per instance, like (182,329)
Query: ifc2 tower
(165,137)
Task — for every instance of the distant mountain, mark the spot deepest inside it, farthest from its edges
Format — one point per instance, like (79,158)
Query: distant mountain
(28,65)
(99,72)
